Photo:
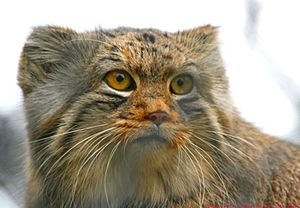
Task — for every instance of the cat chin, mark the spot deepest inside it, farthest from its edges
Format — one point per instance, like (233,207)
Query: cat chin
(149,143)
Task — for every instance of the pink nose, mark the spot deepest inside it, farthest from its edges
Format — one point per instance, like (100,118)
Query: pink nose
(158,117)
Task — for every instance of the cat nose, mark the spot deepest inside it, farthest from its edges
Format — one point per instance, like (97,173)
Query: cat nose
(158,117)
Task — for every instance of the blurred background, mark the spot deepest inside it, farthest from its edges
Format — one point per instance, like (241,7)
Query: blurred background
(260,42)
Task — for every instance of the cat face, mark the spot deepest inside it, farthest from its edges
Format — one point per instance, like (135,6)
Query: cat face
(157,79)
(128,100)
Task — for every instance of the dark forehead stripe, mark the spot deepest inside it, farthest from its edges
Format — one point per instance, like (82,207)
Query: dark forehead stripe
(149,37)
(110,58)
(114,48)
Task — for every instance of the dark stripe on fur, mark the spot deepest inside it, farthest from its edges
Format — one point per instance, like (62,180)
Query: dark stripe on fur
(102,105)
(188,105)
(38,146)
(110,58)
(188,100)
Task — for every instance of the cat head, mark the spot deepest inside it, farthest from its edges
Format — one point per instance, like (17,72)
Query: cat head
(151,92)
(127,73)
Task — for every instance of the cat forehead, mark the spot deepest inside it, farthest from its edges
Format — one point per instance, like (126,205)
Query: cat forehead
(146,52)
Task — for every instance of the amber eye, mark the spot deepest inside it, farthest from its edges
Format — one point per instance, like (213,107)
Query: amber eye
(181,84)
(119,80)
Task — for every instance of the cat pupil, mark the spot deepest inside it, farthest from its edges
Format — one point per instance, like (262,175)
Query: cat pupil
(180,82)
(120,77)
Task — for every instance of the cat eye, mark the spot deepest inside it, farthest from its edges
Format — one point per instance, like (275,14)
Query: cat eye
(119,80)
(181,84)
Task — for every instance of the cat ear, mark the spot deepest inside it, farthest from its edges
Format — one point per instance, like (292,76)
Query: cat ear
(47,45)
(200,39)
(48,50)
(43,52)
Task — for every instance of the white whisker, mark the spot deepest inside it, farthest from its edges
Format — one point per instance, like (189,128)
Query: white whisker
(106,170)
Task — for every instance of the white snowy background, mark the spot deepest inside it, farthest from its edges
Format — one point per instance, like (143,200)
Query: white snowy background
(260,42)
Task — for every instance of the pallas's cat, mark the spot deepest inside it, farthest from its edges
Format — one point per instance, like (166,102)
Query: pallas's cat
(143,118)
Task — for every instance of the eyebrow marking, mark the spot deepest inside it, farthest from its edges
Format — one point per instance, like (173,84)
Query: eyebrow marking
(149,37)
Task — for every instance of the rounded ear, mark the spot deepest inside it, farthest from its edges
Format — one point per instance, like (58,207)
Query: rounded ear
(47,45)
(200,39)
(50,49)
(43,52)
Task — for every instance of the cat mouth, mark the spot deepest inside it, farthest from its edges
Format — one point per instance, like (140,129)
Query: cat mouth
(151,135)
(151,139)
